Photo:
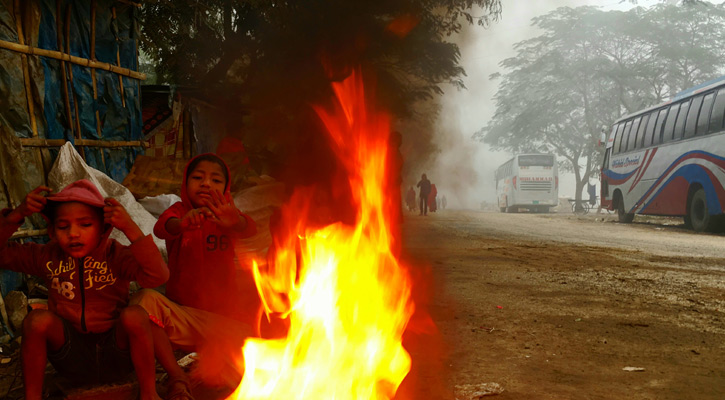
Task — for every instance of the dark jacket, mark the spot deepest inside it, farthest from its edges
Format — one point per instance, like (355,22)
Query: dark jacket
(424,186)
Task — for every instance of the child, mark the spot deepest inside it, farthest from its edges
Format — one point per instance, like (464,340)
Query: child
(86,333)
(208,294)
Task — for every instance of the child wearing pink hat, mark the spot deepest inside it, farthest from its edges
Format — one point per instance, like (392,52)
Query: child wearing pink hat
(88,333)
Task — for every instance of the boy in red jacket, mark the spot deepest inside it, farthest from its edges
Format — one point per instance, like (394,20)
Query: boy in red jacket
(211,302)
(86,333)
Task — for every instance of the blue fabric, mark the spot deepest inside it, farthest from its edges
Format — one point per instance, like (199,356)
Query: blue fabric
(113,36)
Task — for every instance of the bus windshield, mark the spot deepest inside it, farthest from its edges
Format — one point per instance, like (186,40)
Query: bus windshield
(536,160)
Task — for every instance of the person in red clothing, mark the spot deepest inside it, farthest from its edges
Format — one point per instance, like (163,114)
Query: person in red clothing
(87,333)
(432,205)
(211,303)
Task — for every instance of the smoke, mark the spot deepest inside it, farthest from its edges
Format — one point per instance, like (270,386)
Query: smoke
(462,168)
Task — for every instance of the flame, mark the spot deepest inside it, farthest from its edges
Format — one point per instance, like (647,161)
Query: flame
(345,296)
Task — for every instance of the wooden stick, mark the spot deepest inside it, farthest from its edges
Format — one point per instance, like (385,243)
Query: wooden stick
(38,142)
(26,70)
(118,61)
(93,57)
(79,134)
(28,94)
(64,73)
(34,51)
(93,77)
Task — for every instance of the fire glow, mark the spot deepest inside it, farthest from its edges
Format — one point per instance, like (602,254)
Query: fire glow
(344,294)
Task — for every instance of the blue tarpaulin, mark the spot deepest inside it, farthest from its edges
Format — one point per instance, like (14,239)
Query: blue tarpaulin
(115,38)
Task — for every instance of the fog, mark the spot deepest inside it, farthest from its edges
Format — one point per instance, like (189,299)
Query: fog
(463,167)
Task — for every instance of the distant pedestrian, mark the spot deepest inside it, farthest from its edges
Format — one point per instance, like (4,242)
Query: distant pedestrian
(592,190)
(444,202)
(424,185)
(432,204)
(410,199)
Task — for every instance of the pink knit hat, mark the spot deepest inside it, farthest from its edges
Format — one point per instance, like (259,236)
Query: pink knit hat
(82,191)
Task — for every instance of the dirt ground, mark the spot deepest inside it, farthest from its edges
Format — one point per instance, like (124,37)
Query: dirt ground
(556,306)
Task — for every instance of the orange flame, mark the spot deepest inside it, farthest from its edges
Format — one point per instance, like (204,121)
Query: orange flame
(345,296)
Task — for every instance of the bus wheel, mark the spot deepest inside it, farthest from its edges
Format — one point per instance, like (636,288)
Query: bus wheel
(623,216)
(698,214)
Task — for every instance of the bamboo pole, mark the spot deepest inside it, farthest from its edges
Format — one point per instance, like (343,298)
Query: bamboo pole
(118,61)
(38,142)
(38,155)
(84,62)
(93,70)
(79,134)
(66,98)
(93,76)
(26,70)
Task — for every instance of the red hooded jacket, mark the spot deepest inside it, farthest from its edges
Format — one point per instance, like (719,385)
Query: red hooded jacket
(88,292)
(205,272)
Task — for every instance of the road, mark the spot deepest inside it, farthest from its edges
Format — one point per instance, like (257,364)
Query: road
(556,306)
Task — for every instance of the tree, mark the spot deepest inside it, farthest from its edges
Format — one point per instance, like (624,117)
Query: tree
(256,46)
(589,67)
(274,58)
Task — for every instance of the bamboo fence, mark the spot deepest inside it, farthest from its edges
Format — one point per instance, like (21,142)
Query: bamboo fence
(40,145)
(71,108)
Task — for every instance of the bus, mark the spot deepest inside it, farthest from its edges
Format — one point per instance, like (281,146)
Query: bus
(669,159)
(529,181)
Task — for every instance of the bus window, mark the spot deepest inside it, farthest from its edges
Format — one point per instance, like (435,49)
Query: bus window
(704,118)
(625,137)
(617,138)
(670,123)
(633,134)
(717,112)
(692,116)
(681,118)
(536,160)
(650,129)
(657,139)
(641,130)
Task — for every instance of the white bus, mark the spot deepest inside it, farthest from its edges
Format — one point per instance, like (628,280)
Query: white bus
(529,181)
(669,159)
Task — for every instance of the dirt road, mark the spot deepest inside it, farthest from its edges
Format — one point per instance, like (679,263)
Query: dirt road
(555,306)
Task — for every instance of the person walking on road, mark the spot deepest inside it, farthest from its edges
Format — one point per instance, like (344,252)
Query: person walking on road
(424,186)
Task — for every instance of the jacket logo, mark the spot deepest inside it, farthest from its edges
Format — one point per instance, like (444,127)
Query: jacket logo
(96,274)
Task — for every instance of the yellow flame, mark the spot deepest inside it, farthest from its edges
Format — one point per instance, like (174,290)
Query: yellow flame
(344,293)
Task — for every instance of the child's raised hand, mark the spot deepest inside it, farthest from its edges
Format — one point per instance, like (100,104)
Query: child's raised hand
(225,213)
(195,218)
(34,202)
(115,214)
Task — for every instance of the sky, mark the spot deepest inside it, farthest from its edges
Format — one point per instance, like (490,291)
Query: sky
(466,111)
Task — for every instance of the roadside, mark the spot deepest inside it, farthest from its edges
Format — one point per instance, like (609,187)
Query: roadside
(556,306)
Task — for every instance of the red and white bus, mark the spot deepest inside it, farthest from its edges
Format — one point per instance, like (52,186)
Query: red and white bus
(529,181)
(669,159)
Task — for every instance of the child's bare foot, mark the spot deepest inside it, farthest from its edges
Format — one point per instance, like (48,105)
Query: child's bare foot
(179,389)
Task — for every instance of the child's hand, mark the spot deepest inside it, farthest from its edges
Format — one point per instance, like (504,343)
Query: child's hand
(116,215)
(34,202)
(195,218)
(225,213)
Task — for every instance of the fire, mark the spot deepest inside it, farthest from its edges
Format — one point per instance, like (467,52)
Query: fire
(344,294)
